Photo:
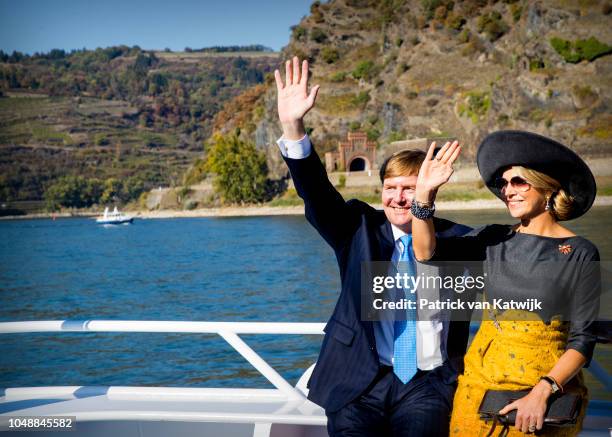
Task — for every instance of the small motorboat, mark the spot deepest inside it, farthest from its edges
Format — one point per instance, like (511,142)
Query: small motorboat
(114,218)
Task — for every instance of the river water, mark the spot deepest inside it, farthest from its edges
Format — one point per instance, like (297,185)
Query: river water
(206,269)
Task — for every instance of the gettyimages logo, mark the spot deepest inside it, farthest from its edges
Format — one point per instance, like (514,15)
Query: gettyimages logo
(459,290)
(424,281)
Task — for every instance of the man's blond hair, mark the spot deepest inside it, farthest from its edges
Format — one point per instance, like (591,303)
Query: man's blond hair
(404,163)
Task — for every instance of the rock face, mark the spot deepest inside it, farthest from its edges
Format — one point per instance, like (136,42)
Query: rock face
(162,198)
(411,69)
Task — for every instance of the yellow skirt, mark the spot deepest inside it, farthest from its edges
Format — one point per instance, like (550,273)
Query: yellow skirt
(511,357)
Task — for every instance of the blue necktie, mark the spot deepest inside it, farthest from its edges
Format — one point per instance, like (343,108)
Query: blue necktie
(404,344)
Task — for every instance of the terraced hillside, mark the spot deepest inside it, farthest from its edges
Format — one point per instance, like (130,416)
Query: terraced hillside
(422,68)
(116,113)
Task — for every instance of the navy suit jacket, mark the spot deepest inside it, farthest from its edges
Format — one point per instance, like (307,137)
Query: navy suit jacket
(348,361)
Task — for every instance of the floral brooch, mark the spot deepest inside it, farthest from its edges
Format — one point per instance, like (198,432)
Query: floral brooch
(565,248)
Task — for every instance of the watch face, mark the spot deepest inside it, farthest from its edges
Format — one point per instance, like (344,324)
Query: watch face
(554,388)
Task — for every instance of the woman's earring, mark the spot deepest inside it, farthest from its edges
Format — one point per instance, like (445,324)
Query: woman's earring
(547,208)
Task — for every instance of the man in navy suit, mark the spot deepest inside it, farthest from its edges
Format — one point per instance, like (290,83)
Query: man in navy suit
(354,379)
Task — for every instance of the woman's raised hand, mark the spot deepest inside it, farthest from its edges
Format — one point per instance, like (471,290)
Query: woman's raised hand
(436,171)
(294,100)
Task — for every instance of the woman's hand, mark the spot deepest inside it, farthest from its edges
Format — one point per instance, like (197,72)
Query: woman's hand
(294,100)
(530,409)
(436,172)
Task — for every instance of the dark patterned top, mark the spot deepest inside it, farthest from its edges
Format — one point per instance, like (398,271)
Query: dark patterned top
(561,273)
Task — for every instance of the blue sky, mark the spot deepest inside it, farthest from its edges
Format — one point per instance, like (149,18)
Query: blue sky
(40,25)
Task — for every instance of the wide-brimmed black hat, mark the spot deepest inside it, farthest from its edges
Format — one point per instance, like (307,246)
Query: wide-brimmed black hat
(502,149)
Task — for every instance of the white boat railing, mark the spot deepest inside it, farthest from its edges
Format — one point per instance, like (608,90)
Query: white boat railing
(286,405)
(227,330)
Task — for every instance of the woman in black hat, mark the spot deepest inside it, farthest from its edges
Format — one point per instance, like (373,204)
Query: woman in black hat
(542,184)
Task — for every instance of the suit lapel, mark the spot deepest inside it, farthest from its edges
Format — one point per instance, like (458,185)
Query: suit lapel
(385,246)
(387,242)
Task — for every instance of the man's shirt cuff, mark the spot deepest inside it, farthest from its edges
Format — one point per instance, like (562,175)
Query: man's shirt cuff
(299,149)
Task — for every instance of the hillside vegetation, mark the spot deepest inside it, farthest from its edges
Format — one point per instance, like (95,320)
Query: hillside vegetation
(395,69)
(421,68)
(115,113)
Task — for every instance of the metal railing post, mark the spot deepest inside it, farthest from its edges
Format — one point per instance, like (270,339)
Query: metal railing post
(261,365)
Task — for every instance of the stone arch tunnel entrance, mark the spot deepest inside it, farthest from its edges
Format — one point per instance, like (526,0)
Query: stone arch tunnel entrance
(358,164)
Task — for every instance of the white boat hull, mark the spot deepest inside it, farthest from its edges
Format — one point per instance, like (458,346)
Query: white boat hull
(164,411)
(120,411)
(115,222)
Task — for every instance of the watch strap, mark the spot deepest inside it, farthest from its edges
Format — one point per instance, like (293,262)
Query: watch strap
(555,387)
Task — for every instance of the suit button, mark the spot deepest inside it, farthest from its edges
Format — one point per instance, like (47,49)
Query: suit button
(371,348)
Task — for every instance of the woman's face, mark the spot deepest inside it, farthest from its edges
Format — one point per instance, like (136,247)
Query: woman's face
(523,200)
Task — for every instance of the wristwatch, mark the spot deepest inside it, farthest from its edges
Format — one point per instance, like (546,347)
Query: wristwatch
(554,387)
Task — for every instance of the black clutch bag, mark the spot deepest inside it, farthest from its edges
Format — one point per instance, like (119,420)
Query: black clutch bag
(562,409)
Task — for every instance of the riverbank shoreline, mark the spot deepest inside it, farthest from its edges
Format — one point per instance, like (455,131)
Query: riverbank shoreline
(255,211)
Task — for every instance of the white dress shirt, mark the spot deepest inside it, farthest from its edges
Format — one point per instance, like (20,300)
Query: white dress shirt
(429,333)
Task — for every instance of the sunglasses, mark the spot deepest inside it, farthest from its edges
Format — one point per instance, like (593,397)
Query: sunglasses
(517,182)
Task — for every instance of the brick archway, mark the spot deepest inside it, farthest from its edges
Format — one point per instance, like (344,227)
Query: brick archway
(355,154)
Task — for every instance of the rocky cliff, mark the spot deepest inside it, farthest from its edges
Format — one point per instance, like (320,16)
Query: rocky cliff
(416,68)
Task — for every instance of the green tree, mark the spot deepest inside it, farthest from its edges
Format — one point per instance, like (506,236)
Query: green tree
(7,188)
(116,190)
(366,70)
(240,169)
(330,55)
(318,35)
(143,62)
(112,190)
(492,25)
(299,33)
(73,192)
(132,188)
(581,49)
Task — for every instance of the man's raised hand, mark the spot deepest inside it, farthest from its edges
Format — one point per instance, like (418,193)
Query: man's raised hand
(294,100)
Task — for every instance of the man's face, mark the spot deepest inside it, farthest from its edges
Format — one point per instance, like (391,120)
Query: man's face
(397,195)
